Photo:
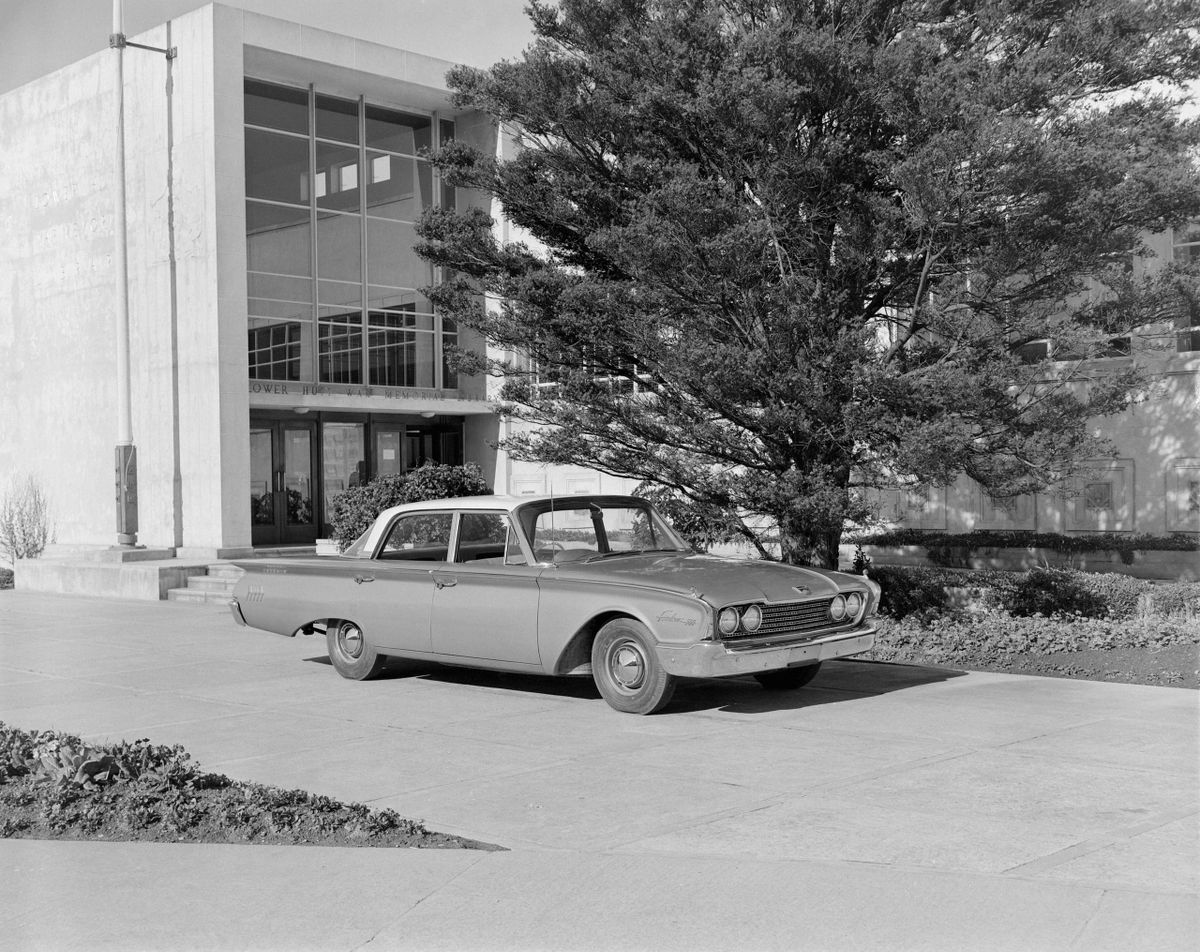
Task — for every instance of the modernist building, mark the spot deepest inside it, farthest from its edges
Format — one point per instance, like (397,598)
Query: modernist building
(281,349)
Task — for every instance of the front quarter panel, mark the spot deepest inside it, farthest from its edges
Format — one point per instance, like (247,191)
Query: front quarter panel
(572,609)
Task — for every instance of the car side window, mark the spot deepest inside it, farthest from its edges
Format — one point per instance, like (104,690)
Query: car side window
(486,537)
(418,537)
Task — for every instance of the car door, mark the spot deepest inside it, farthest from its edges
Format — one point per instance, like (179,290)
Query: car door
(393,592)
(485,601)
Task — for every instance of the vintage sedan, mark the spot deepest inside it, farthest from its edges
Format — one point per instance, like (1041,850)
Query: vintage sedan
(587,585)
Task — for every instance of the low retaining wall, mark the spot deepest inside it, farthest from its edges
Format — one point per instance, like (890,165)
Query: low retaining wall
(1180,566)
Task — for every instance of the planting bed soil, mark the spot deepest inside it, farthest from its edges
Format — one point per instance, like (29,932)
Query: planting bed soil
(1175,666)
(54,786)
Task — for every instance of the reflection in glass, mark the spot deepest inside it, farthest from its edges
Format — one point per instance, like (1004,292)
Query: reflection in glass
(337,119)
(339,356)
(258,307)
(279,241)
(398,354)
(262,511)
(276,167)
(388,461)
(405,300)
(398,187)
(340,293)
(275,349)
(297,475)
(343,460)
(449,341)
(278,107)
(393,131)
(339,247)
(337,177)
(391,259)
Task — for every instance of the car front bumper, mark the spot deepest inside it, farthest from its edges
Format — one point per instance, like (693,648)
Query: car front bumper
(711,659)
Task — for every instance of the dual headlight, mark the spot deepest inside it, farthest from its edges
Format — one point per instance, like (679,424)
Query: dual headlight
(749,618)
(846,607)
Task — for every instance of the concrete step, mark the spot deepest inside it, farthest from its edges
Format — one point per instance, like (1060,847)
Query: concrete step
(196,596)
(211,583)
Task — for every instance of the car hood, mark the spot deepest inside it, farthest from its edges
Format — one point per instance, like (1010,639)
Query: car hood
(719,581)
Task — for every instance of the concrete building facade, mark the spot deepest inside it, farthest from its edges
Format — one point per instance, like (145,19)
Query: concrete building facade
(280,348)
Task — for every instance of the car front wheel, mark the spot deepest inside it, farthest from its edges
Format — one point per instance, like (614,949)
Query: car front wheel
(351,653)
(788,679)
(626,669)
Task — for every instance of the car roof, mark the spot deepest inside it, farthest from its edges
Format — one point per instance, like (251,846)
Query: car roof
(494,502)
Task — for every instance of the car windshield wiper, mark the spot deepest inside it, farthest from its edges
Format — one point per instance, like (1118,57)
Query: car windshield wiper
(609,555)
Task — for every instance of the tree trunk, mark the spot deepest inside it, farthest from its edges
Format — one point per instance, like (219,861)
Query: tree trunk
(809,545)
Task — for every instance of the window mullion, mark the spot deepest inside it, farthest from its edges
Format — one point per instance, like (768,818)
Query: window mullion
(312,238)
(364,353)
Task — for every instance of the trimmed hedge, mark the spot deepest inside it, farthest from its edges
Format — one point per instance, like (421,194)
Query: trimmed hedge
(923,592)
(355,510)
(941,544)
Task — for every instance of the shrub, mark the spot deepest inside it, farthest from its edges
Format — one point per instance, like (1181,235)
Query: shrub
(356,508)
(24,520)
(912,591)
(1055,591)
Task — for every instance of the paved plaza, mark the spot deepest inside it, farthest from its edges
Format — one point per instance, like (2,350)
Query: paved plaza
(883,807)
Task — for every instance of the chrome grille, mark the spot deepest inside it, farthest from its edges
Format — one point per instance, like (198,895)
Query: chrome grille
(791,618)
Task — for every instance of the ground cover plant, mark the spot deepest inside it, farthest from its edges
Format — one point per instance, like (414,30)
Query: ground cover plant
(1053,622)
(55,786)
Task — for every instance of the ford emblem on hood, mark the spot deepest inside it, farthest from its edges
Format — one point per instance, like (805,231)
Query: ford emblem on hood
(802,589)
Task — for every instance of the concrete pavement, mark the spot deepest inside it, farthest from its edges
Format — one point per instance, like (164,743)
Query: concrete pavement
(883,807)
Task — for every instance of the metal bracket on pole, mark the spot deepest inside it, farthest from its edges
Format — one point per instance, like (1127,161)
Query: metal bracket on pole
(118,41)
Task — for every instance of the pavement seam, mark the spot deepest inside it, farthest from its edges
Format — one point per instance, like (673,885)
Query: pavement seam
(398,919)
(1096,843)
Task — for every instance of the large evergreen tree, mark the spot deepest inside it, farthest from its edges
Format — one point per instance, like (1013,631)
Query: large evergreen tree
(780,250)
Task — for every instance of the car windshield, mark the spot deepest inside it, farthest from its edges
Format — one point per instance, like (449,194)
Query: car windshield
(573,529)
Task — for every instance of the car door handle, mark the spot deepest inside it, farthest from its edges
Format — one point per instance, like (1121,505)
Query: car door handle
(359,579)
(444,582)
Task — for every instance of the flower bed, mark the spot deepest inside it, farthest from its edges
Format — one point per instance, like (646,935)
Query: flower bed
(1046,621)
(55,786)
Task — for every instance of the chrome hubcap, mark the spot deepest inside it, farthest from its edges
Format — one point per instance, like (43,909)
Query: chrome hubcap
(351,640)
(627,665)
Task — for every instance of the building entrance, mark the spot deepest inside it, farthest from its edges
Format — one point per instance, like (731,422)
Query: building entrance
(282,484)
(298,468)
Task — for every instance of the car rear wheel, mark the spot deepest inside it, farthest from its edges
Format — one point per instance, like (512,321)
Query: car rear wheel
(788,679)
(626,669)
(351,653)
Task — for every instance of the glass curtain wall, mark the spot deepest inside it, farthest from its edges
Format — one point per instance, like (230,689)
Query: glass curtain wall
(334,188)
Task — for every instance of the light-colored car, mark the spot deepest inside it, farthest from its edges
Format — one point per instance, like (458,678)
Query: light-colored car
(588,585)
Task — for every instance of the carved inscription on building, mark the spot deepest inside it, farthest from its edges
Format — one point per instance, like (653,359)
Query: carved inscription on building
(336,390)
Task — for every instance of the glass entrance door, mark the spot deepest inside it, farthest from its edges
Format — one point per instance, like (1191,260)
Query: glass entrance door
(282,490)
